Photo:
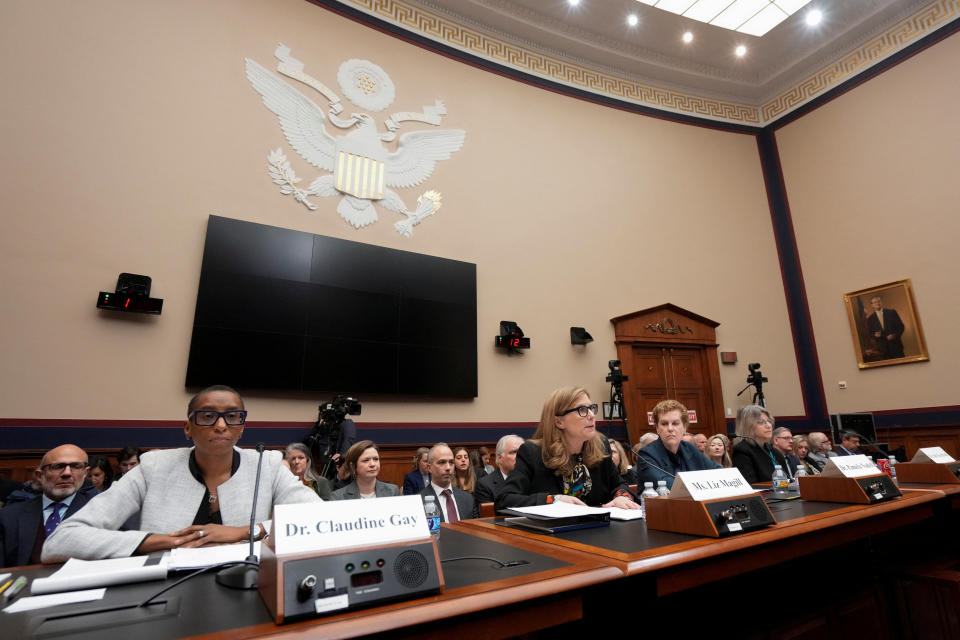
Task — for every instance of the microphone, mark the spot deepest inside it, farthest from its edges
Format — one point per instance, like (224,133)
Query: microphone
(246,575)
(647,462)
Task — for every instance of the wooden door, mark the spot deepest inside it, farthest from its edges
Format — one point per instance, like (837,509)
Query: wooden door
(670,353)
(666,372)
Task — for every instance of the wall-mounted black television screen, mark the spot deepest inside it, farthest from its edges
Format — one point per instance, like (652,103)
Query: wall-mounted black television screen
(281,309)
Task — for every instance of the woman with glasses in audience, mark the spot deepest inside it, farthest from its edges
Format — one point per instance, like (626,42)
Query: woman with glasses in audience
(464,473)
(716,450)
(298,460)
(198,496)
(100,473)
(567,459)
(801,449)
(363,459)
(753,453)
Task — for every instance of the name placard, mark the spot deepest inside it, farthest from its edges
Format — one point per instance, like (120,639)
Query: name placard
(337,524)
(849,467)
(710,483)
(932,454)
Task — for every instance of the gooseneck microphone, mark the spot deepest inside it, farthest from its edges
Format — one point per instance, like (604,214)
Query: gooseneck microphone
(647,462)
(246,575)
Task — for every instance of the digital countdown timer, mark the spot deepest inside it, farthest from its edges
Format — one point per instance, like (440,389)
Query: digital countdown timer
(512,342)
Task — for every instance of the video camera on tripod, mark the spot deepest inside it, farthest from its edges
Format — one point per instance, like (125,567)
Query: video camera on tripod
(755,379)
(325,440)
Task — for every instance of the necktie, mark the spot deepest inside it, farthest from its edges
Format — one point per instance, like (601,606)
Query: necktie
(451,506)
(54,520)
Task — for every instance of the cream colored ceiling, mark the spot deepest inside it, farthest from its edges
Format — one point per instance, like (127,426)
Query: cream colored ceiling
(590,47)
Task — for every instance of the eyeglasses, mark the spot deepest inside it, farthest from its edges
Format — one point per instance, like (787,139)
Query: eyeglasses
(60,466)
(581,410)
(208,418)
(764,421)
(783,438)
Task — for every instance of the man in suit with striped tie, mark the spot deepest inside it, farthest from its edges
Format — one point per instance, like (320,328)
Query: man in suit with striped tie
(25,525)
(455,503)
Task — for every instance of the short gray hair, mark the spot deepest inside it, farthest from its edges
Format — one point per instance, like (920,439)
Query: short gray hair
(779,431)
(747,417)
(504,441)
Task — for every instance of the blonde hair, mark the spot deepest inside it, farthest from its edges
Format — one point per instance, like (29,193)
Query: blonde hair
(623,466)
(550,438)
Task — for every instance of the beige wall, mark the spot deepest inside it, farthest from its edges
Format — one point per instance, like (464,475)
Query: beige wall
(872,183)
(127,123)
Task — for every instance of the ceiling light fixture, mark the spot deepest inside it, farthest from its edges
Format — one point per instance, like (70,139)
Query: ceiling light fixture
(688,36)
(814,16)
(753,17)
(740,51)
(573,3)
(632,19)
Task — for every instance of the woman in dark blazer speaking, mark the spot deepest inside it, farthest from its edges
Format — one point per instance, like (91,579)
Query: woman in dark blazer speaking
(567,459)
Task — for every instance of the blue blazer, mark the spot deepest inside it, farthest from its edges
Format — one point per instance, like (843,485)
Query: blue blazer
(658,455)
(413,483)
(20,522)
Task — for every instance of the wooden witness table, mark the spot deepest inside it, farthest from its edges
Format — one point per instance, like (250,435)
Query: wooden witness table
(682,561)
(587,579)
(526,598)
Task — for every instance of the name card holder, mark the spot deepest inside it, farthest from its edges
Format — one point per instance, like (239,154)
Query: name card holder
(331,556)
(929,472)
(714,503)
(305,585)
(861,490)
(714,518)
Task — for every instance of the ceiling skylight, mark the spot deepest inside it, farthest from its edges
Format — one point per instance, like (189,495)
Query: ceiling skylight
(753,17)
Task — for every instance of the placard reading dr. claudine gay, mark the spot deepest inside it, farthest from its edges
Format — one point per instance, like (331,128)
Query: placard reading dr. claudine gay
(710,483)
(338,524)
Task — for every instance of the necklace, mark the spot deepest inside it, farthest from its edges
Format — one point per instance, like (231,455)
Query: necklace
(213,497)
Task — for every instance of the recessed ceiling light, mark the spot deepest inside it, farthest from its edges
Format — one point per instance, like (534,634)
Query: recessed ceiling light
(740,51)
(814,16)
(573,3)
(688,36)
(632,19)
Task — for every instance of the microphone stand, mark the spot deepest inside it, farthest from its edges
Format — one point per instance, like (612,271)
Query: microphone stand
(246,575)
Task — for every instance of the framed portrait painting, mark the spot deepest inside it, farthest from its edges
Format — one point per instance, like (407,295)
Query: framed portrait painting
(885,325)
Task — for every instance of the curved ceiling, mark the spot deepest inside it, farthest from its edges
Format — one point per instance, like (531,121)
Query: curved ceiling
(591,47)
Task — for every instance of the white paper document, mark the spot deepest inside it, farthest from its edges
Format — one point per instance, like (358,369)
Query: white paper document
(616,513)
(558,509)
(85,574)
(200,557)
(52,600)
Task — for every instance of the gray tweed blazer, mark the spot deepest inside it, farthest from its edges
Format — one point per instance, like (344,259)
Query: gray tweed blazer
(167,496)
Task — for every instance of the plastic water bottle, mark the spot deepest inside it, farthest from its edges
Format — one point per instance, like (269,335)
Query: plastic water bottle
(648,492)
(781,483)
(662,488)
(432,511)
(801,473)
(893,469)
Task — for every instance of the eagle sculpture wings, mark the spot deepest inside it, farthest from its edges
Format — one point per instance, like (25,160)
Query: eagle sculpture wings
(363,170)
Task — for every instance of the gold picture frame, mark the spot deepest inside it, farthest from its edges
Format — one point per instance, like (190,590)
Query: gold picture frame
(892,336)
